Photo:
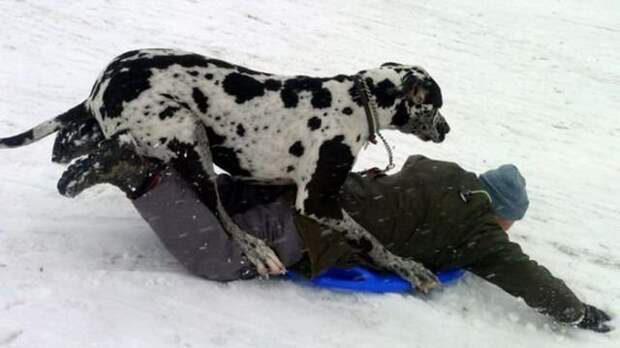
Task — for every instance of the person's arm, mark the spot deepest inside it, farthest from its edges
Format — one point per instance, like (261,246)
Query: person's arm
(504,264)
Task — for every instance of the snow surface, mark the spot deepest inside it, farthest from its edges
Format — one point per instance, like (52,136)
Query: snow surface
(533,82)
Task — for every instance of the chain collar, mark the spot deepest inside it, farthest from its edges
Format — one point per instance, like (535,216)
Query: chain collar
(370,107)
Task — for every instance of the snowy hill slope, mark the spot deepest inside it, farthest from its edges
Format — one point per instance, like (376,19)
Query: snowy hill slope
(533,82)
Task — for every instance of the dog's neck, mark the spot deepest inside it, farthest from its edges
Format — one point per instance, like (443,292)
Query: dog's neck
(391,110)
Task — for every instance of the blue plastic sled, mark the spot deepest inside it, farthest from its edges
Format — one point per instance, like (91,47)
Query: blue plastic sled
(360,279)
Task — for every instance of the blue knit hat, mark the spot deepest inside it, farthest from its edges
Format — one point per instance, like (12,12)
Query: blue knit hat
(506,187)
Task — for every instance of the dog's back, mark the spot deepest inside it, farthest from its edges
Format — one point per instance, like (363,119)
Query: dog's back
(257,123)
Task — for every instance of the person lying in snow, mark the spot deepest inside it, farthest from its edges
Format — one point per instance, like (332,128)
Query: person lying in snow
(432,211)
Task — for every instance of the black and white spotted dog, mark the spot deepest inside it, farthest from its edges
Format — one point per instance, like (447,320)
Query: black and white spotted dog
(194,111)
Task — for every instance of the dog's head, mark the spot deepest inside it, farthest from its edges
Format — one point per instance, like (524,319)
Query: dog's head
(76,139)
(418,102)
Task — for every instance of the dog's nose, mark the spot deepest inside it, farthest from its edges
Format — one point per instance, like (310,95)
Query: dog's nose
(443,129)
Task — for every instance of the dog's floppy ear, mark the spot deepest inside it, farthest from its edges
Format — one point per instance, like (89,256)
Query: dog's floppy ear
(421,90)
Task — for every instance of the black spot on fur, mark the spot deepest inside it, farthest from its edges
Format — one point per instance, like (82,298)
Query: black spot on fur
(347,110)
(200,99)
(273,85)
(208,76)
(130,77)
(321,97)
(359,137)
(334,164)
(123,87)
(290,169)
(354,92)
(168,112)
(314,123)
(289,98)
(226,65)
(221,63)
(297,149)
(240,130)
(401,116)
(355,95)
(385,93)
(243,87)
(184,105)
(193,73)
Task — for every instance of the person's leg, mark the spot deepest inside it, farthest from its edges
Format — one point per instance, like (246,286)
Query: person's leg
(193,234)
(274,222)
(188,229)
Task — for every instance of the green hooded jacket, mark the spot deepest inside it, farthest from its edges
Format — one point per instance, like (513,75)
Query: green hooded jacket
(437,213)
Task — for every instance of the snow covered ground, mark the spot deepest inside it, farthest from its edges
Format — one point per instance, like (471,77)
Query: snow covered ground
(533,82)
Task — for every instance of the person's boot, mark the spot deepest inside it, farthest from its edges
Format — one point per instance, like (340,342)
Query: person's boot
(112,163)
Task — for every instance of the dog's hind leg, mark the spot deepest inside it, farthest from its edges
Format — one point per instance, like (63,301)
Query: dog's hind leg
(194,161)
(75,139)
(318,198)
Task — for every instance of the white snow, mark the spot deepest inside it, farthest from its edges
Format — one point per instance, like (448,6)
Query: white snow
(532,82)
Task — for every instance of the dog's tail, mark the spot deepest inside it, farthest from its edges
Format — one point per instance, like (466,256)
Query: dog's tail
(46,128)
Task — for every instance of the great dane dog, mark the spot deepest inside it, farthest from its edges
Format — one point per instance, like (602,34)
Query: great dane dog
(195,112)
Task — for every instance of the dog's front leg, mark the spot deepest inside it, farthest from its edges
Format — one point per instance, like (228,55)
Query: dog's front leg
(194,161)
(318,198)
(414,272)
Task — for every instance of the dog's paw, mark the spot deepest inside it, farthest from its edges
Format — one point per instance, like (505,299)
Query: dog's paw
(74,179)
(419,276)
(263,257)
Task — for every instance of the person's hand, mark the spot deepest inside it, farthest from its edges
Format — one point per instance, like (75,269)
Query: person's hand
(594,319)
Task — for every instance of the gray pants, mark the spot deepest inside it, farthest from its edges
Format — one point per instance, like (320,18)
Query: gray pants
(194,236)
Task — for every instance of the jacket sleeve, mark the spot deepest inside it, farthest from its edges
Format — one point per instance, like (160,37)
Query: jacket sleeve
(504,264)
